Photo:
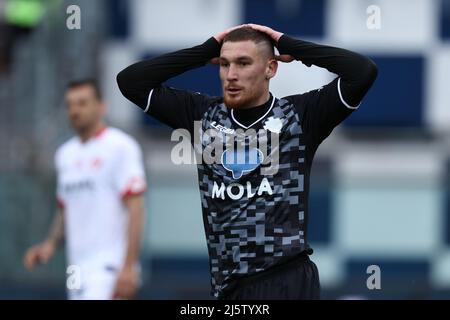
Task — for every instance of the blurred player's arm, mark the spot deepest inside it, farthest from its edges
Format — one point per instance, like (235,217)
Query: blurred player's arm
(135,208)
(130,182)
(43,251)
(128,280)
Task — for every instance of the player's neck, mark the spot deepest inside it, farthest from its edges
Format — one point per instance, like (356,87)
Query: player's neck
(262,100)
(94,131)
(261,103)
(250,115)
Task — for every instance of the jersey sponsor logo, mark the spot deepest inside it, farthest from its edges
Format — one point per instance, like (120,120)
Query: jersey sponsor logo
(273,125)
(78,186)
(222,128)
(242,160)
(236,191)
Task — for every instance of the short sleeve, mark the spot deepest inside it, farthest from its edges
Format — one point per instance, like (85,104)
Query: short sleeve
(59,188)
(129,172)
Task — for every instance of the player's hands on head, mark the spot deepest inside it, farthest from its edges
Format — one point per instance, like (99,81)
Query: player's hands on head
(284,58)
(275,35)
(219,38)
(221,35)
(215,61)
(127,284)
(39,254)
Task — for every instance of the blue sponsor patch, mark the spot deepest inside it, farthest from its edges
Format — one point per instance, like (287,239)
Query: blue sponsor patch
(241,161)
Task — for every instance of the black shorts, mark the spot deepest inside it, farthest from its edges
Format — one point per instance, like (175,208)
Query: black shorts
(294,280)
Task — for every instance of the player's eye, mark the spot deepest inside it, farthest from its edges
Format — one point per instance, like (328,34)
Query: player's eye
(224,64)
(243,63)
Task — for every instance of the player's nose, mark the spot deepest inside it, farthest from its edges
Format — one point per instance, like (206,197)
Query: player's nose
(232,73)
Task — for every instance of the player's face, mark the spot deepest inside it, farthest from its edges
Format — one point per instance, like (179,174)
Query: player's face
(245,70)
(85,110)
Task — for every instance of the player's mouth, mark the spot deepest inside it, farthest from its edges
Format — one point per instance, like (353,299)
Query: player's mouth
(233,90)
(74,119)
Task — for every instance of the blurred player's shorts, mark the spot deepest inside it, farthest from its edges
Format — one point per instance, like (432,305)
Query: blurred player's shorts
(95,283)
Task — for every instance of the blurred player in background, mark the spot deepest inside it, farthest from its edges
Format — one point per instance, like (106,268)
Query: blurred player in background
(100,187)
(255,223)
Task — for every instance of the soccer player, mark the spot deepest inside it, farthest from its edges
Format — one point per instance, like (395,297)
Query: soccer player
(100,187)
(255,223)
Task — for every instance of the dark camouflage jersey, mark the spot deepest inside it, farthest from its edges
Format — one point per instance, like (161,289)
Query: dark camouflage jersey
(254,195)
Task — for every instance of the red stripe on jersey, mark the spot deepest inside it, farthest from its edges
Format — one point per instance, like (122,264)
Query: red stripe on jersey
(60,203)
(100,131)
(136,186)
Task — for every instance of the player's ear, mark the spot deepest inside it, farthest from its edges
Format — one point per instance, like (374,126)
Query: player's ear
(271,70)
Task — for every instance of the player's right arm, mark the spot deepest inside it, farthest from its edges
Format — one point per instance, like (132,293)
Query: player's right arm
(42,252)
(142,83)
(138,80)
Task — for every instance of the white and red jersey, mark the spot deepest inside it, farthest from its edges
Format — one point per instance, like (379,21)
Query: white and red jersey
(93,177)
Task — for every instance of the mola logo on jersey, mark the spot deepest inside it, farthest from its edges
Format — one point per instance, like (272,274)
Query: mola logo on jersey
(241,161)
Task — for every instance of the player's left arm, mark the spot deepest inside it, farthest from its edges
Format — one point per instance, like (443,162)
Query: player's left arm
(328,106)
(128,280)
(355,71)
(131,185)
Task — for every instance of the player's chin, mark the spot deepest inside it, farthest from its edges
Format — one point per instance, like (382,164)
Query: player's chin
(234,101)
(79,126)
(76,124)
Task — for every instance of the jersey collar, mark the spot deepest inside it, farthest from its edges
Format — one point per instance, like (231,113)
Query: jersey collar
(97,135)
(100,131)
(251,125)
